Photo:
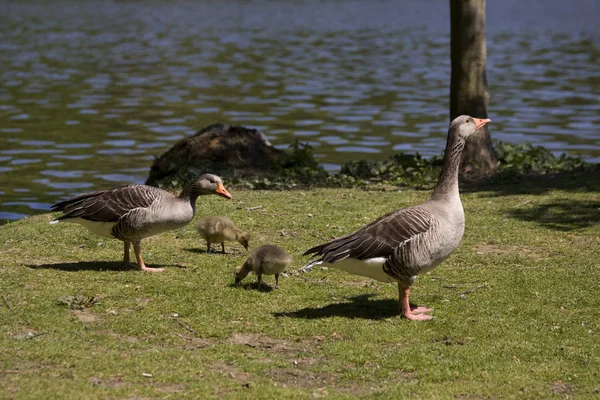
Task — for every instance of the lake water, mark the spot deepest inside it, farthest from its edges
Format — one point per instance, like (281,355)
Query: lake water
(91,91)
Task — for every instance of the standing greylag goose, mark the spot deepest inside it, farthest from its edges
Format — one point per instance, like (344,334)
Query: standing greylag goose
(268,259)
(219,230)
(405,243)
(134,212)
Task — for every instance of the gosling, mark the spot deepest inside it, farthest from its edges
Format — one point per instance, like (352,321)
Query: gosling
(219,230)
(266,260)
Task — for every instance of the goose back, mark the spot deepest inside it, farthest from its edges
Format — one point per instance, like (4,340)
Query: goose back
(378,238)
(219,229)
(398,245)
(216,229)
(131,212)
(108,205)
(269,260)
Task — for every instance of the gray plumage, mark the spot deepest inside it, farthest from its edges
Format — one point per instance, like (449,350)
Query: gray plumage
(268,259)
(405,243)
(134,212)
(220,230)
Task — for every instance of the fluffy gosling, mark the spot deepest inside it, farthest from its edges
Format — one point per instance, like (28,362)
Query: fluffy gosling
(266,260)
(220,230)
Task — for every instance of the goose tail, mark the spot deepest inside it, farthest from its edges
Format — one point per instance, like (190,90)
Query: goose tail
(308,267)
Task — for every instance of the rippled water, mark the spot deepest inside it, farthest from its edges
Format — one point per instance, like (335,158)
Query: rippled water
(91,91)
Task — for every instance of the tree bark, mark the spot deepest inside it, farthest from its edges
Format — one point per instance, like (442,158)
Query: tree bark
(468,83)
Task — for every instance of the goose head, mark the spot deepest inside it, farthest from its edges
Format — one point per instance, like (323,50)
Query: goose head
(208,184)
(240,273)
(243,239)
(464,126)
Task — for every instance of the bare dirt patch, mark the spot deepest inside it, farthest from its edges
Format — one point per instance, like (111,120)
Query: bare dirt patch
(111,382)
(322,384)
(302,378)
(192,342)
(231,371)
(559,387)
(261,342)
(86,316)
(141,303)
(173,388)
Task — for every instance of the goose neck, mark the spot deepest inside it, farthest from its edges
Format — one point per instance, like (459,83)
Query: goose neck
(186,193)
(189,194)
(448,182)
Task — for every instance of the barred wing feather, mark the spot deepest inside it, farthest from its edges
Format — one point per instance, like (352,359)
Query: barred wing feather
(380,238)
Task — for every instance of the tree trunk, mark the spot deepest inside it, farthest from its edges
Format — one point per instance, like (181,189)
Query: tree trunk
(468,83)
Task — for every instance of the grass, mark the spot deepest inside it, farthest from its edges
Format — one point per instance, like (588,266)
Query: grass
(517,306)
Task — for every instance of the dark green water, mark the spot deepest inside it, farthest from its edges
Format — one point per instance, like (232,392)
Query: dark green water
(91,91)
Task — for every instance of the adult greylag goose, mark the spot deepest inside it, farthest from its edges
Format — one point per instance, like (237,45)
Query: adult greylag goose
(268,259)
(134,212)
(405,243)
(219,230)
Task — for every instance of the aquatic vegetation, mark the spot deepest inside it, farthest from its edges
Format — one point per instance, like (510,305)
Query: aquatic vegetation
(296,167)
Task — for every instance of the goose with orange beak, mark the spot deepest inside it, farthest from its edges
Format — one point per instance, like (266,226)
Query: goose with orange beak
(411,241)
(132,213)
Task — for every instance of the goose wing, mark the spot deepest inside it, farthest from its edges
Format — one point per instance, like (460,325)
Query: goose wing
(108,205)
(380,238)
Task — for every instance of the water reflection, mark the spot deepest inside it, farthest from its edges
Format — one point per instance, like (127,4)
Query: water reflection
(91,93)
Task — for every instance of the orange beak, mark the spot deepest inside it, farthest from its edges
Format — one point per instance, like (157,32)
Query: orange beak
(221,191)
(481,122)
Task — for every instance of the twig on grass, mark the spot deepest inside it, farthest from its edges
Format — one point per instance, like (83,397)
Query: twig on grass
(522,204)
(463,294)
(253,208)
(7,304)
(186,327)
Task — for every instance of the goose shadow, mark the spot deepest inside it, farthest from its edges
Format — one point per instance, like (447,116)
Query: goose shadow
(357,307)
(93,266)
(535,184)
(561,214)
(253,286)
(198,250)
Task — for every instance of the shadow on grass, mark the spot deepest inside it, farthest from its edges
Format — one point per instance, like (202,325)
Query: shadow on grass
(93,266)
(562,215)
(253,286)
(358,307)
(198,250)
(231,252)
(580,181)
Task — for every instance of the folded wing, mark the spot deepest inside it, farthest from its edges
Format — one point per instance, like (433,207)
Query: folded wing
(108,205)
(378,239)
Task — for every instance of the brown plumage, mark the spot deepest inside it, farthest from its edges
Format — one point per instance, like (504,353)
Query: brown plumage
(220,230)
(268,259)
(134,212)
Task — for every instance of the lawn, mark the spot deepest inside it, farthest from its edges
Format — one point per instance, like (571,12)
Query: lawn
(517,306)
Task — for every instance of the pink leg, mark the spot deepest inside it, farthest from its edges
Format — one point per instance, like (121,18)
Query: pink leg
(416,314)
(138,255)
(420,310)
(126,246)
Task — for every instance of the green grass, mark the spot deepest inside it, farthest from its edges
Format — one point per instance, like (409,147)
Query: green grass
(517,306)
